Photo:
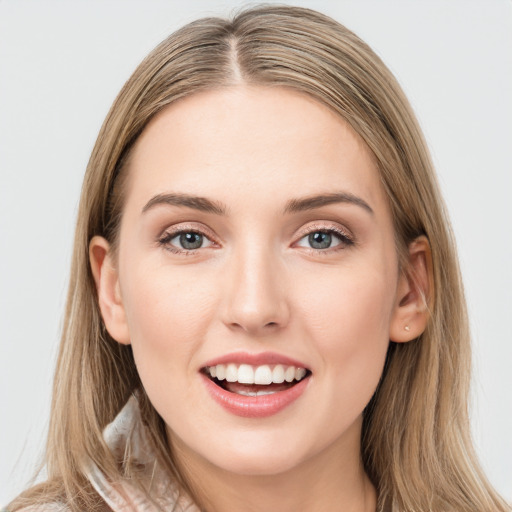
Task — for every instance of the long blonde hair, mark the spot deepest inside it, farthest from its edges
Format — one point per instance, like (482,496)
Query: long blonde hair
(415,444)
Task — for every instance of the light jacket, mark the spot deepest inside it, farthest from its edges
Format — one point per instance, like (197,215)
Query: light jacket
(127,434)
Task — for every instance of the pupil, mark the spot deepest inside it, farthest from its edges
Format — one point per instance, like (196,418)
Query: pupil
(191,240)
(320,240)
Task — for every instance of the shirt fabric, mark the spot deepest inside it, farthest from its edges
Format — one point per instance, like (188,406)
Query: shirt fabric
(127,434)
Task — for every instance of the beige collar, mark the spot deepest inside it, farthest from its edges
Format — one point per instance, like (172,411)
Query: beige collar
(127,439)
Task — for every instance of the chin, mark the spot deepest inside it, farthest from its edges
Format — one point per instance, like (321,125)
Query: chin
(264,464)
(258,457)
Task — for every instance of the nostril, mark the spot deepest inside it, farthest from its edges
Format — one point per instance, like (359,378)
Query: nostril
(254,327)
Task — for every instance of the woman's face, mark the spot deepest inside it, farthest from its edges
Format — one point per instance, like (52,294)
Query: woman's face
(256,236)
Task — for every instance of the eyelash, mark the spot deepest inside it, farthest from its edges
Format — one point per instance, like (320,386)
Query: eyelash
(166,238)
(343,237)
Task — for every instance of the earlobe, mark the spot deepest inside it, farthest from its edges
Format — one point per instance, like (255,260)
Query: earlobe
(414,294)
(106,279)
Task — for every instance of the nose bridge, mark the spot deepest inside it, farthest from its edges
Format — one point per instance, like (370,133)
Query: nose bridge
(256,299)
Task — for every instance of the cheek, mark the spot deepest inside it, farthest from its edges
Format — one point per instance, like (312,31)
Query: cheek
(348,319)
(168,313)
(353,303)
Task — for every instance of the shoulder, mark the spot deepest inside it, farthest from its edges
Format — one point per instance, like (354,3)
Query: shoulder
(44,507)
(54,506)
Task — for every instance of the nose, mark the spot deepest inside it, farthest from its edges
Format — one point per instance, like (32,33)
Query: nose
(255,298)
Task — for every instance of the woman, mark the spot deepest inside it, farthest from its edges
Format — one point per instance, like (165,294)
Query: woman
(265,309)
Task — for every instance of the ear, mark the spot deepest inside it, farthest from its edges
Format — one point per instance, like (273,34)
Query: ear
(414,293)
(107,286)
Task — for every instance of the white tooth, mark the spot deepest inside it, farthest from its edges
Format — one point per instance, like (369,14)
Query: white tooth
(220,370)
(245,374)
(289,374)
(212,370)
(299,373)
(278,374)
(231,373)
(245,393)
(263,375)
(260,393)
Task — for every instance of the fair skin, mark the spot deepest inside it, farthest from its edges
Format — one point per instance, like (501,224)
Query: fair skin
(320,285)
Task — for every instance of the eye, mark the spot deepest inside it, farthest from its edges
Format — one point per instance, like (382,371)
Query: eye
(322,239)
(186,240)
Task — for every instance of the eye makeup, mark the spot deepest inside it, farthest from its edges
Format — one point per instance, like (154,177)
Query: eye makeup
(327,237)
(190,237)
(319,237)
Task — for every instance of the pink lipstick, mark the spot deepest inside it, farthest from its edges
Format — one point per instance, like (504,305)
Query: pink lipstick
(255,385)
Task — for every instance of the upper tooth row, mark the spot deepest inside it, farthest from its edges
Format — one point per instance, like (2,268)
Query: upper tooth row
(247,374)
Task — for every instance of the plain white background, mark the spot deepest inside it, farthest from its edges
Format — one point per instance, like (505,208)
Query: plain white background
(63,62)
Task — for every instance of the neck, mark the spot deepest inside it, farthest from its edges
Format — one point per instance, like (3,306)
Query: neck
(332,480)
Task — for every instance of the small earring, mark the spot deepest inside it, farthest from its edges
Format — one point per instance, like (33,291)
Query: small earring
(407,328)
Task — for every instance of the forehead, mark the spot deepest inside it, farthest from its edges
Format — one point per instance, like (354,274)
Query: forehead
(251,142)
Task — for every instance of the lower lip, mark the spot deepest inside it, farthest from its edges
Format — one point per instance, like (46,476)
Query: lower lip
(255,406)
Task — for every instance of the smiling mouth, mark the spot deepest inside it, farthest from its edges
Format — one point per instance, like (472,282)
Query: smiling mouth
(249,380)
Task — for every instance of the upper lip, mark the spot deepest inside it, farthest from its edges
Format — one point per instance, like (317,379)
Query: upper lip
(259,359)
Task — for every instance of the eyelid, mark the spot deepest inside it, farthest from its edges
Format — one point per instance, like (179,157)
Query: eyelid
(170,232)
(184,227)
(347,238)
(325,226)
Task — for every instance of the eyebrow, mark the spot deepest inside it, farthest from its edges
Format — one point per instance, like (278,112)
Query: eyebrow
(197,203)
(317,201)
(294,205)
